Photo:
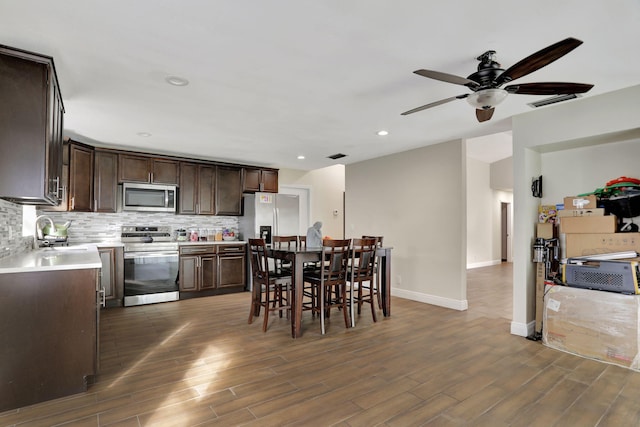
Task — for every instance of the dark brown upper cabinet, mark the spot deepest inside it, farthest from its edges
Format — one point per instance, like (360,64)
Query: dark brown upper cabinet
(197,189)
(31,123)
(135,168)
(256,179)
(105,183)
(228,190)
(80,198)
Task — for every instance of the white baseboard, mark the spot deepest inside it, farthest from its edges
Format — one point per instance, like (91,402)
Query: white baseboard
(460,305)
(484,264)
(523,329)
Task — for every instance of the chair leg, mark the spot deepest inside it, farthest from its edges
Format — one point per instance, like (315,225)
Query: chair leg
(322,308)
(343,302)
(352,305)
(265,322)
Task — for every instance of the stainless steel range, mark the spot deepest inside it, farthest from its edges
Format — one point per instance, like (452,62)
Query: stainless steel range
(150,265)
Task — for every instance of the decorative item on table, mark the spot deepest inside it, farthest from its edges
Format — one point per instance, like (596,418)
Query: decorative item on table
(229,234)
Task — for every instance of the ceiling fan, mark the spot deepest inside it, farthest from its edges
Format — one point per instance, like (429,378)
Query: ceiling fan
(485,83)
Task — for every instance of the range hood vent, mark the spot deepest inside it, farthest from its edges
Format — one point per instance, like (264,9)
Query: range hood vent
(337,156)
(553,100)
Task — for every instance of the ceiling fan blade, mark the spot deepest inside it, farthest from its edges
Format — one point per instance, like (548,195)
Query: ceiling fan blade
(538,60)
(484,115)
(433,104)
(449,78)
(548,88)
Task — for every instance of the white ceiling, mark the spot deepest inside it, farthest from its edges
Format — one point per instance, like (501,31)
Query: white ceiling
(271,80)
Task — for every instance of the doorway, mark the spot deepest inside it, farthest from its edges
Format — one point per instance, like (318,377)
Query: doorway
(304,194)
(505,231)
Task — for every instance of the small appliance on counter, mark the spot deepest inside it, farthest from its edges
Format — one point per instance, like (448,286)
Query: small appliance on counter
(181,235)
(51,234)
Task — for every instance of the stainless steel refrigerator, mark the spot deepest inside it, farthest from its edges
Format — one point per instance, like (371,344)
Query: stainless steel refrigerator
(269,214)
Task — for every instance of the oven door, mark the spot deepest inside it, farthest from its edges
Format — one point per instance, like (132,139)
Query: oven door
(150,277)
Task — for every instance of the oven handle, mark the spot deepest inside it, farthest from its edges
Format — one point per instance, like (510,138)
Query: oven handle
(132,255)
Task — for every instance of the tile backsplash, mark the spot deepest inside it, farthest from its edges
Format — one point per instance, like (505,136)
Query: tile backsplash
(12,242)
(92,226)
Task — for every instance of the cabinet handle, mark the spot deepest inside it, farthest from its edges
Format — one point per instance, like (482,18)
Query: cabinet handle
(95,204)
(73,203)
(150,176)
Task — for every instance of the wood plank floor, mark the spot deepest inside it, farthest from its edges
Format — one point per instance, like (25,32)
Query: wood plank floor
(198,362)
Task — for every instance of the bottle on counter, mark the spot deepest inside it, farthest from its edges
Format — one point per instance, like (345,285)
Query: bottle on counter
(218,234)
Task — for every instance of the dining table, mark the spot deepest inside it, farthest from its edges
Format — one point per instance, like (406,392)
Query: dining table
(302,255)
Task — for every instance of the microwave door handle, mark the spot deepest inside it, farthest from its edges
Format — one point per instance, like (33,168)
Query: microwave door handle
(166,198)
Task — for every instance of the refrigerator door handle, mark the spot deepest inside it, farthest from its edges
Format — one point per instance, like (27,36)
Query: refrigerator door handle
(276,221)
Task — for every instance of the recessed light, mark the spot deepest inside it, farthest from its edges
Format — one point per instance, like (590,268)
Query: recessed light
(301,157)
(144,134)
(177,81)
(383,133)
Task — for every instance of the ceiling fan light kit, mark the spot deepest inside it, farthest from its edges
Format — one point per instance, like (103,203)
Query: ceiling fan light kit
(485,83)
(487,98)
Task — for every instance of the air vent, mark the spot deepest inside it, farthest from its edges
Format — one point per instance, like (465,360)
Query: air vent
(337,156)
(553,100)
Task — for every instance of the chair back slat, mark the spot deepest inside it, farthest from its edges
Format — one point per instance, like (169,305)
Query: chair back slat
(285,242)
(335,253)
(259,261)
(363,256)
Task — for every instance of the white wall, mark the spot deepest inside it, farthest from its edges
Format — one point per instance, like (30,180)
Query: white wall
(502,174)
(608,119)
(417,201)
(327,189)
(484,215)
(480,215)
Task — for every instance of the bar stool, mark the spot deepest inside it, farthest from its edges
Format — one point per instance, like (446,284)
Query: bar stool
(377,268)
(361,276)
(331,276)
(284,242)
(271,290)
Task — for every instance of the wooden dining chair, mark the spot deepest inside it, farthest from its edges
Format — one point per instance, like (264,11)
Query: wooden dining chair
(361,276)
(332,276)
(377,271)
(284,242)
(272,290)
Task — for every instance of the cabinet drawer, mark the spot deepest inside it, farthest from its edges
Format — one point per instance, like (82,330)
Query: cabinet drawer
(231,249)
(197,250)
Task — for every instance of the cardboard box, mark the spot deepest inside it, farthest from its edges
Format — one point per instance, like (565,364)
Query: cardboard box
(580,212)
(594,244)
(582,202)
(588,224)
(594,324)
(547,213)
(546,230)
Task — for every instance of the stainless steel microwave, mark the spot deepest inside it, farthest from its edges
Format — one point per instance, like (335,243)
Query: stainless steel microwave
(148,197)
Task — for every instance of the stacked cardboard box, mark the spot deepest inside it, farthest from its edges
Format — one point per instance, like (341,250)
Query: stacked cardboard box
(595,324)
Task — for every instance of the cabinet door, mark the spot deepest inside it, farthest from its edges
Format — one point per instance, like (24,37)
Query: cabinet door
(269,181)
(80,178)
(134,168)
(54,142)
(189,273)
(231,270)
(188,191)
(208,268)
(206,190)
(251,180)
(164,171)
(228,191)
(105,184)
(107,274)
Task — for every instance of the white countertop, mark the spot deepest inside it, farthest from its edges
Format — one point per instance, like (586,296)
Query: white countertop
(76,257)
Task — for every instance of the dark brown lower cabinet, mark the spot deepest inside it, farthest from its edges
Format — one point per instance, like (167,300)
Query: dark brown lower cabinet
(210,269)
(112,275)
(49,327)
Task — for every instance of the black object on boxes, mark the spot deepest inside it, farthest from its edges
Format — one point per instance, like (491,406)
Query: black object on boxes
(611,275)
(625,204)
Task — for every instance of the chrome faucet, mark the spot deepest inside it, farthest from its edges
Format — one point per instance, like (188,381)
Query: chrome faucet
(39,232)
